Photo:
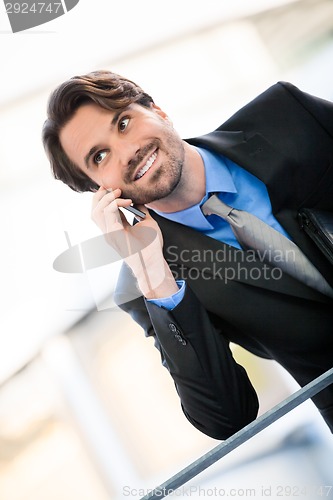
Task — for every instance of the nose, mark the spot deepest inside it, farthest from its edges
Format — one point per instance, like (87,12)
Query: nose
(123,152)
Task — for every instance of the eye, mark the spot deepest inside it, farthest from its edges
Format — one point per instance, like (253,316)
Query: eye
(123,122)
(99,157)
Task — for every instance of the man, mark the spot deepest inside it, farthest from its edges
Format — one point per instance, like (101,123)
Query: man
(199,289)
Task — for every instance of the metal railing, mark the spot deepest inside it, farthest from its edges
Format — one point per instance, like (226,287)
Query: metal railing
(241,436)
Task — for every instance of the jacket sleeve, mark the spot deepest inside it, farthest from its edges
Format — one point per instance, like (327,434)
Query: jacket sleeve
(215,392)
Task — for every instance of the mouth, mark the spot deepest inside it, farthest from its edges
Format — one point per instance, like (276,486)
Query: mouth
(146,167)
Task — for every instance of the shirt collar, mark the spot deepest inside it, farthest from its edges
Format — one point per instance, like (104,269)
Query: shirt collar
(218,180)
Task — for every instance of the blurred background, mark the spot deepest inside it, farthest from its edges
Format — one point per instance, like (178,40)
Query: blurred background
(86,410)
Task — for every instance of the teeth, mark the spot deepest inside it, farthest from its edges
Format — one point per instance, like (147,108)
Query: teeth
(147,166)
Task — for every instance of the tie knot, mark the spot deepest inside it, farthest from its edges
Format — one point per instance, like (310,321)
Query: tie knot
(215,206)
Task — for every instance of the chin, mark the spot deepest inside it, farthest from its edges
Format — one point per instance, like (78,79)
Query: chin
(161,185)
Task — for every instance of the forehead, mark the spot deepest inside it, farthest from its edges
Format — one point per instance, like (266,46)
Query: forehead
(85,114)
(89,124)
(85,118)
(91,117)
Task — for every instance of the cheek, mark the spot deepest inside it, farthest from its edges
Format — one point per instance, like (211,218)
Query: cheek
(109,180)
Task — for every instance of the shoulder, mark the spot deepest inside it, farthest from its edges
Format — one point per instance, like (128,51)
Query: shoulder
(289,94)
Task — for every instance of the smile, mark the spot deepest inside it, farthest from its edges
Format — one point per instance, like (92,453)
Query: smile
(147,166)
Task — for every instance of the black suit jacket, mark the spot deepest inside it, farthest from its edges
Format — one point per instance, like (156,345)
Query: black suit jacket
(285,138)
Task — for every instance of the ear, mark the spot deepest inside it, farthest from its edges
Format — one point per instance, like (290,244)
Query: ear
(160,112)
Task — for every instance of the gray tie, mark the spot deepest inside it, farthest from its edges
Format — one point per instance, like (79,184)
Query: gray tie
(271,245)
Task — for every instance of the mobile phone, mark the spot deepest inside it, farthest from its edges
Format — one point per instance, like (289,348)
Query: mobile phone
(135,211)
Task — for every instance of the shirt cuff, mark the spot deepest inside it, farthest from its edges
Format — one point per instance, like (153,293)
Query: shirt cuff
(171,302)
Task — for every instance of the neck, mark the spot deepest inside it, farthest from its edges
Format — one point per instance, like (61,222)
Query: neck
(191,188)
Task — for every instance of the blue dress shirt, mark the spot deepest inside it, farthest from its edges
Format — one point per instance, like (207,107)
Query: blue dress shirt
(237,188)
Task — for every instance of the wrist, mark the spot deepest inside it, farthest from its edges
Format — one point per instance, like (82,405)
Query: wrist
(156,281)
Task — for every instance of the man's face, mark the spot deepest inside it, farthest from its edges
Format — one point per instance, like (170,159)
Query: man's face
(135,149)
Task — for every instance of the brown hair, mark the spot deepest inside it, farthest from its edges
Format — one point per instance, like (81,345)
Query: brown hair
(108,90)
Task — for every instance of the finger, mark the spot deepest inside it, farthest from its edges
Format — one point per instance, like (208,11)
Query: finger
(103,200)
(109,207)
(112,218)
(111,196)
(102,192)
(107,202)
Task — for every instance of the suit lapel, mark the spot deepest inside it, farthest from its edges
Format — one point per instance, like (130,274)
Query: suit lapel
(193,255)
(260,158)
(257,156)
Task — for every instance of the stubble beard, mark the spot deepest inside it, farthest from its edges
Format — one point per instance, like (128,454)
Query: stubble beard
(165,179)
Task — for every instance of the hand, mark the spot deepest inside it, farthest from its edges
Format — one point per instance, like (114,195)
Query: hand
(113,223)
(140,245)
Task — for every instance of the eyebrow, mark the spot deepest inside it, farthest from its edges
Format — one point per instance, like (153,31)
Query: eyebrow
(94,149)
